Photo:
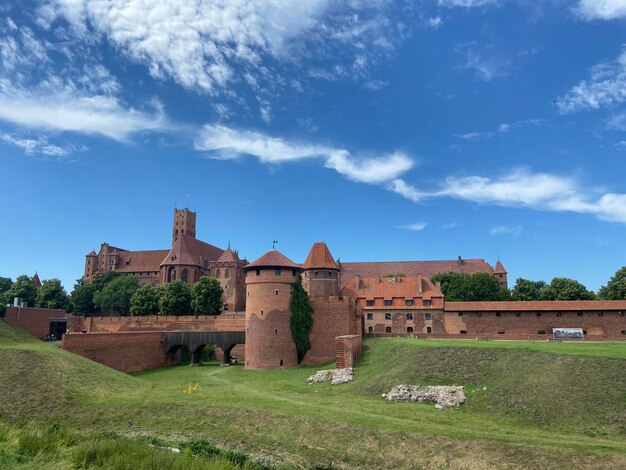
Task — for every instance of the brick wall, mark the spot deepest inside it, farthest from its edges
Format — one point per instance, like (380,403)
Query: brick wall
(224,322)
(331,317)
(126,352)
(347,350)
(36,321)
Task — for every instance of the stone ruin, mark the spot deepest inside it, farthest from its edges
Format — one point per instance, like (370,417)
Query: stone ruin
(334,376)
(443,396)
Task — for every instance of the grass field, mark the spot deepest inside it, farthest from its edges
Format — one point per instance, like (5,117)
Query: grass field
(530,405)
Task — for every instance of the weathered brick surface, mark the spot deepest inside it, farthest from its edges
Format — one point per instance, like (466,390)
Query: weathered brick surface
(36,321)
(347,350)
(126,352)
(331,317)
(224,322)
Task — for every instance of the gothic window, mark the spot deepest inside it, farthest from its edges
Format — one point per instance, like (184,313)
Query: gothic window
(218,273)
(184,275)
(226,273)
(171,274)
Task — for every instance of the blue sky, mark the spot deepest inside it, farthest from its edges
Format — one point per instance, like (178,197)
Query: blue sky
(392,130)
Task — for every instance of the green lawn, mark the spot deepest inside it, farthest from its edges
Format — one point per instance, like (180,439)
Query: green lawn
(530,404)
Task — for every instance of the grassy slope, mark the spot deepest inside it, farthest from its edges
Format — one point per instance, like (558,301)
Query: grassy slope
(555,409)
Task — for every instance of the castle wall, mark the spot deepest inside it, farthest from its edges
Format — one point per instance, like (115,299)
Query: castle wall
(321,282)
(224,322)
(332,317)
(347,350)
(406,321)
(36,321)
(126,352)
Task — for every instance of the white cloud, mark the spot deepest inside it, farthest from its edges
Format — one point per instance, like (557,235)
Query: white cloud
(227,143)
(416,227)
(486,64)
(37,146)
(601,9)
(405,190)
(514,230)
(605,87)
(434,22)
(504,128)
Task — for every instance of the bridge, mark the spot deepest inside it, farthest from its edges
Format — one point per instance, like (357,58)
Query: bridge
(195,341)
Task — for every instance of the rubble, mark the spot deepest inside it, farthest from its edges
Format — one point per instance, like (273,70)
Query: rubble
(443,396)
(334,376)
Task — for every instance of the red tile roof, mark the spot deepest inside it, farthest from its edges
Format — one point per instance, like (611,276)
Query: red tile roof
(499,269)
(92,253)
(141,261)
(320,258)
(412,268)
(544,305)
(273,258)
(229,255)
(191,251)
(387,288)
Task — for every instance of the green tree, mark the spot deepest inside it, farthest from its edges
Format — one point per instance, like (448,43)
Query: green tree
(479,286)
(100,280)
(5,286)
(52,295)
(25,288)
(116,295)
(562,288)
(301,319)
(616,287)
(175,299)
(206,296)
(82,298)
(527,290)
(145,301)
(445,279)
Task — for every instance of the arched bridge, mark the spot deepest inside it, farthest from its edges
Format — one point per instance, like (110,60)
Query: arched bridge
(195,341)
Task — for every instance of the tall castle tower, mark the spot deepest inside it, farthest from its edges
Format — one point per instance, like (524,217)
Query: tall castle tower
(269,344)
(184,224)
(321,273)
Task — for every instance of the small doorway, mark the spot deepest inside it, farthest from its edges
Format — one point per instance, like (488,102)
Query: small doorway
(58,327)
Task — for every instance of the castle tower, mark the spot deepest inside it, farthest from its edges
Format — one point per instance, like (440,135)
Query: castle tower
(184,223)
(501,275)
(91,266)
(228,269)
(321,273)
(269,344)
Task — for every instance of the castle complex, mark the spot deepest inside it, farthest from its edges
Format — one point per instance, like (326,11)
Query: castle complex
(349,300)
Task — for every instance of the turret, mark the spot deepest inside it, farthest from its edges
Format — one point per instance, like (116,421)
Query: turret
(184,224)
(321,273)
(269,344)
(501,274)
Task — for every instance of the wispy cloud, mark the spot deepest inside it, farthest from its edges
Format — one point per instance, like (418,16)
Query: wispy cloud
(227,143)
(39,146)
(514,230)
(503,128)
(605,87)
(467,3)
(483,61)
(450,226)
(601,9)
(416,227)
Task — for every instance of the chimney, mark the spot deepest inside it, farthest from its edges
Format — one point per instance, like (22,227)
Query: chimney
(438,284)
(420,286)
(357,282)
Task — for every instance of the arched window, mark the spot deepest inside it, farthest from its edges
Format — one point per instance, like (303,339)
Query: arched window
(184,275)
(218,273)
(171,274)
(226,273)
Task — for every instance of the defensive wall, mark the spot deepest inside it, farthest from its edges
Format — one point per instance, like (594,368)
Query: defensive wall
(37,321)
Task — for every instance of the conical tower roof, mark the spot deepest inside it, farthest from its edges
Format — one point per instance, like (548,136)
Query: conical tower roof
(499,268)
(320,258)
(273,259)
(36,280)
(229,255)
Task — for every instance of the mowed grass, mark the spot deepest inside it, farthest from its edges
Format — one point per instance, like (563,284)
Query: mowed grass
(530,405)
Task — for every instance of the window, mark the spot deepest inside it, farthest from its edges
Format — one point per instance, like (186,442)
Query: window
(388,303)
(463,332)
(500,332)
(460,314)
(518,314)
(541,332)
(226,307)
(370,329)
(538,314)
(218,273)
(559,314)
(621,313)
(317,273)
(258,272)
(498,314)
(226,273)
(387,316)
(387,329)
(184,275)
(409,316)
(294,273)
(277,272)
(428,316)
(275,331)
(408,303)
(427,303)
(369,303)
(409,329)
(624,332)
(281,362)
(600,313)
(429,329)
(330,274)
(370,316)
(580,314)
(276,291)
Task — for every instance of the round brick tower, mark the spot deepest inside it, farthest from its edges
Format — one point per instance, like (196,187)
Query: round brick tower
(269,344)
(321,273)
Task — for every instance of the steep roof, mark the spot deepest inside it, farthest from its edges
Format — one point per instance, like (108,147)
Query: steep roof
(542,305)
(187,250)
(273,258)
(499,269)
(92,253)
(36,280)
(320,258)
(229,255)
(388,288)
(139,261)
(412,268)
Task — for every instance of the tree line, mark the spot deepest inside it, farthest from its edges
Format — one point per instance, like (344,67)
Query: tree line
(114,293)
